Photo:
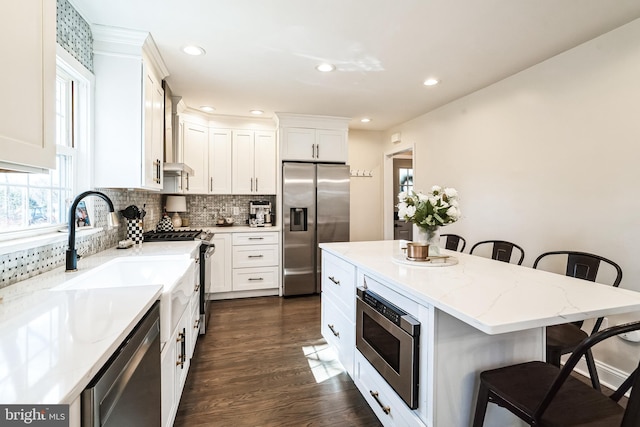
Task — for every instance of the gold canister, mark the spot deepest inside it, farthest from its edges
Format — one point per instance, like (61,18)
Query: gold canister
(419,251)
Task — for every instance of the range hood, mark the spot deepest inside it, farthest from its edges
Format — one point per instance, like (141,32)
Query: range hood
(173,165)
(176,169)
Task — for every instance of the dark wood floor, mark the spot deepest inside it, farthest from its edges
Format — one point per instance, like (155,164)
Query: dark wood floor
(250,369)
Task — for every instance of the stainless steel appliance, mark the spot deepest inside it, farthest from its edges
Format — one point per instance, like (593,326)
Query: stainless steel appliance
(127,391)
(207,248)
(315,209)
(389,339)
(261,214)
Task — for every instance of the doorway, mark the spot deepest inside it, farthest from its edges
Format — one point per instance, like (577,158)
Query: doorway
(402,182)
(399,175)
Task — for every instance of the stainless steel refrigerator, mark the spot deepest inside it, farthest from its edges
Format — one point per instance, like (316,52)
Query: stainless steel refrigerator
(315,209)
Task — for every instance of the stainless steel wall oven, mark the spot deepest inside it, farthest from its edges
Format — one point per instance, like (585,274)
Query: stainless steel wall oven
(389,339)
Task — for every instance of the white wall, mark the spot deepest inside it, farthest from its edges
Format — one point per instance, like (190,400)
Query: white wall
(365,148)
(548,158)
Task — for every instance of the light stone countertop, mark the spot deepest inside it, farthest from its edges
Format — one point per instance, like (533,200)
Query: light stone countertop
(492,296)
(52,343)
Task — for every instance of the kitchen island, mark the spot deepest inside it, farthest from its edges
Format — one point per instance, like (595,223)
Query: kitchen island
(476,314)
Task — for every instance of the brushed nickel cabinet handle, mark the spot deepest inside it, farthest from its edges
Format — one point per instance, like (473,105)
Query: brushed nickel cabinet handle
(256,185)
(313,151)
(255,256)
(256,278)
(317,151)
(384,408)
(256,238)
(196,324)
(211,185)
(333,279)
(337,334)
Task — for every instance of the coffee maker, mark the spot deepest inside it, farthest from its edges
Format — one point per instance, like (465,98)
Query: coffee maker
(261,214)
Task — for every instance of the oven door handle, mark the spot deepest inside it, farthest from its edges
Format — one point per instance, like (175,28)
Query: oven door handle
(209,252)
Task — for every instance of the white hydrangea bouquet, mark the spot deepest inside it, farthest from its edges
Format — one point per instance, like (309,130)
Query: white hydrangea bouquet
(431,210)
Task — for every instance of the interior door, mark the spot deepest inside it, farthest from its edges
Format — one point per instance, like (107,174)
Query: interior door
(402,181)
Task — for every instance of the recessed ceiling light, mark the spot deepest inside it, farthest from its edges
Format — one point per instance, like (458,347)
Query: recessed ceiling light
(193,50)
(431,82)
(325,68)
(365,120)
(207,109)
(256,112)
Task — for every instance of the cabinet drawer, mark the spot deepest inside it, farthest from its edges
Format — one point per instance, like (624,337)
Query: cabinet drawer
(339,331)
(260,238)
(255,256)
(371,383)
(339,277)
(245,279)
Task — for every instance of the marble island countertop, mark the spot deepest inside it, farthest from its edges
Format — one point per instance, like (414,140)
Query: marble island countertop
(52,343)
(492,296)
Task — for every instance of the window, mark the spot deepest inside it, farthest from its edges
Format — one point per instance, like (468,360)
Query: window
(41,201)
(405,178)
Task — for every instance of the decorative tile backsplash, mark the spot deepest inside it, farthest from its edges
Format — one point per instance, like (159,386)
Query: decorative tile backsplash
(74,33)
(202,211)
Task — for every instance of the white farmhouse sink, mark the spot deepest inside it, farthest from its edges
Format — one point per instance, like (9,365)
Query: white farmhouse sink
(177,275)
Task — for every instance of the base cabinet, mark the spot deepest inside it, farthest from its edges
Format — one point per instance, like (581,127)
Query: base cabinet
(386,404)
(245,264)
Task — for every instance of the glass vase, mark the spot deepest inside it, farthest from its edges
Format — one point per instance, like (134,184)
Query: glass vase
(430,236)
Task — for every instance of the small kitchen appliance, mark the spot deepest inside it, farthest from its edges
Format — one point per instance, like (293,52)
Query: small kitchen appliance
(261,214)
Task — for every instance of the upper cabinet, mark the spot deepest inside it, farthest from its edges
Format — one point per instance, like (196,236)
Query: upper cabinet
(27,128)
(313,138)
(129,112)
(195,154)
(220,153)
(254,162)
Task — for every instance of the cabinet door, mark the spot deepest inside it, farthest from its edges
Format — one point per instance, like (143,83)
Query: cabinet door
(153,128)
(27,128)
(298,144)
(219,161)
(242,171)
(196,155)
(265,163)
(331,145)
(221,264)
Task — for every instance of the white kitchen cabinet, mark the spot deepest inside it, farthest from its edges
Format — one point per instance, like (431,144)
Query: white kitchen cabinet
(254,162)
(194,323)
(27,128)
(319,145)
(196,155)
(129,111)
(246,264)
(221,264)
(338,308)
(313,138)
(220,154)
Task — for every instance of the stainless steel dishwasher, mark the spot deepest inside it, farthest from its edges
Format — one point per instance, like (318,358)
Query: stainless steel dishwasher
(126,391)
